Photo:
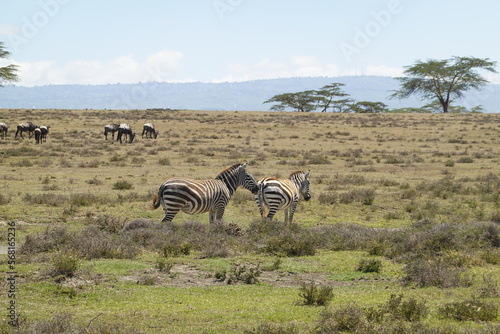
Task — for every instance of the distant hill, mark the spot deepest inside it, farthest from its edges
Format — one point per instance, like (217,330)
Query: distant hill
(248,95)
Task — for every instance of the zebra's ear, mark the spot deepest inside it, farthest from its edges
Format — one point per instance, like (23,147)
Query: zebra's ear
(307,174)
(244,165)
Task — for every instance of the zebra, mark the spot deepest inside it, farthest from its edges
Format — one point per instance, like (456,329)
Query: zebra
(277,194)
(125,129)
(199,196)
(3,129)
(26,127)
(110,128)
(45,131)
(149,131)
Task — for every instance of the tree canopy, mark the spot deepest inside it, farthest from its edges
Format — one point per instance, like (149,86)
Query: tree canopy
(309,100)
(7,73)
(444,80)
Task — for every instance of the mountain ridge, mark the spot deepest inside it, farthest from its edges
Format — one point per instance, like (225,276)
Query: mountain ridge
(246,95)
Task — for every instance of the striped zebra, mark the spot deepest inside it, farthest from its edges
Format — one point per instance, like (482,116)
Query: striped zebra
(278,194)
(199,196)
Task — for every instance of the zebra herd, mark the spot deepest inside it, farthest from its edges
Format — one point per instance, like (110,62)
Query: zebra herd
(213,195)
(125,131)
(39,132)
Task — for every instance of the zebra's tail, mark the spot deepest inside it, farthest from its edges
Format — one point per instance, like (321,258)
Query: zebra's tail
(156,201)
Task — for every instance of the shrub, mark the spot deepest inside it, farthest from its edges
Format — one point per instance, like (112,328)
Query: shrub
(64,264)
(314,295)
(489,287)
(243,273)
(350,318)
(164,264)
(122,185)
(465,160)
(369,266)
(424,273)
(4,199)
(470,310)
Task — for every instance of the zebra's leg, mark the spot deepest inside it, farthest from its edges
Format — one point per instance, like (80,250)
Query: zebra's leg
(169,215)
(292,211)
(216,216)
(272,212)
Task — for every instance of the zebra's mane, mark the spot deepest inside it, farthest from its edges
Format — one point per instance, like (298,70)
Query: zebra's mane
(229,170)
(295,173)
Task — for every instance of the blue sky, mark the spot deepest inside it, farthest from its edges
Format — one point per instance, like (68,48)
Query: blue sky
(111,41)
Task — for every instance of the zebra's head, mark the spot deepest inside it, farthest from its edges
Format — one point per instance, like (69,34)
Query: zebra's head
(236,176)
(303,178)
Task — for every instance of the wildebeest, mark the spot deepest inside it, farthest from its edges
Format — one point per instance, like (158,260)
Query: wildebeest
(110,128)
(125,130)
(25,127)
(45,131)
(38,135)
(149,131)
(3,129)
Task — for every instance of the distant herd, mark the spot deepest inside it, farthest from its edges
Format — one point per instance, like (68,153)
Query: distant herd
(124,131)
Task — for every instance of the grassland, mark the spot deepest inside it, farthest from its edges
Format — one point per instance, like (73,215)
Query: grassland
(414,196)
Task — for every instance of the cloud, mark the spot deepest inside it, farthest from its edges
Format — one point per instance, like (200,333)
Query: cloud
(298,66)
(8,29)
(124,69)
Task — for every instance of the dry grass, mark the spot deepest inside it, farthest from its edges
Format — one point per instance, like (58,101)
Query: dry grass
(397,186)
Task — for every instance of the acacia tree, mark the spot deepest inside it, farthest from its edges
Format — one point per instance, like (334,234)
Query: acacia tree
(369,107)
(444,80)
(328,93)
(7,73)
(301,101)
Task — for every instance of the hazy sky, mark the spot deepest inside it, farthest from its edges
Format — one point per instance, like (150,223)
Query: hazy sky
(111,41)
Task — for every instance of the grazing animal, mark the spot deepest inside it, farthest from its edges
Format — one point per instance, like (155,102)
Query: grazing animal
(149,130)
(277,194)
(45,131)
(110,128)
(38,135)
(26,127)
(3,129)
(125,130)
(199,196)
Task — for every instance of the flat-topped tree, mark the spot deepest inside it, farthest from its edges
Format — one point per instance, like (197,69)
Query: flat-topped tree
(7,73)
(444,80)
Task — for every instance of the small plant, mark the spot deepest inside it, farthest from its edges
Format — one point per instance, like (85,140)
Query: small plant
(369,266)
(489,288)
(436,273)
(122,185)
(470,310)
(242,273)
(164,162)
(315,295)
(65,264)
(164,264)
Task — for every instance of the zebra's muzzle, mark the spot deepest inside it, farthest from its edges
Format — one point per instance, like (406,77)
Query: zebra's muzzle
(307,197)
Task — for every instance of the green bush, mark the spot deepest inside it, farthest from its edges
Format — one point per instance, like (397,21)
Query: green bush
(315,295)
(122,185)
(369,266)
(435,272)
(65,264)
(470,310)
(243,273)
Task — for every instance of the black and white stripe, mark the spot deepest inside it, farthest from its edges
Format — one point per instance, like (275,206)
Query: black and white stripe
(278,194)
(199,196)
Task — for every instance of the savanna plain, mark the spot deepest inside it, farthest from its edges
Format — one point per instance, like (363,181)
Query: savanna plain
(401,234)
